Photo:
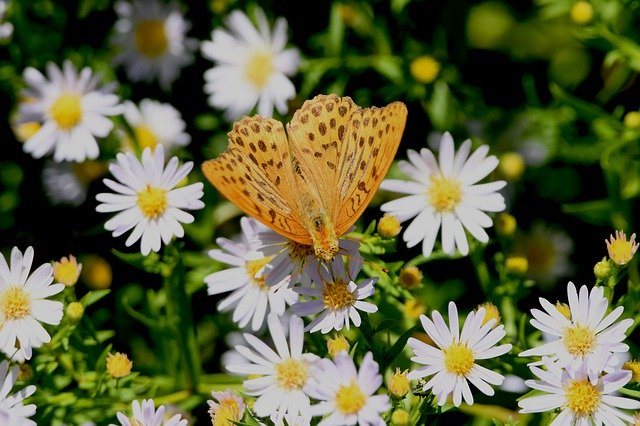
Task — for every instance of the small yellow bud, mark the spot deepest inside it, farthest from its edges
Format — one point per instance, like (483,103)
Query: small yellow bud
(517,265)
(400,417)
(26,372)
(506,224)
(632,119)
(413,308)
(398,384)
(218,7)
(491,312)
(74,311)
(118,365)
(581,12)
(425,69)
(511,166)
(564,309)
(389,226)
(67,271)
(96,273)
(602,270)
(620,250)
(634,367)
(25,131)
(410,277)
(337,345)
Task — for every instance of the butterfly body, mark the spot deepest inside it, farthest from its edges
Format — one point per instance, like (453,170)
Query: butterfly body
(312,182)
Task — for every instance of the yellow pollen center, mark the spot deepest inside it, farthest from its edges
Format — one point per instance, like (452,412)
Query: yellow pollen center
(621,251)
(150,37)
(336,295)
(259,69)
(299,252)
(15,303)
(253,266)
(579,340)
(291,374)
(145,137)
(350,399)
(444,193)
(226,413)
(458,359)
(583,398)
(152,201)
(66,111)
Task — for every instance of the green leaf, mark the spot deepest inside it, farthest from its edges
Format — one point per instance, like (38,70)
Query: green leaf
(597,212)
(93,296)
(397,347)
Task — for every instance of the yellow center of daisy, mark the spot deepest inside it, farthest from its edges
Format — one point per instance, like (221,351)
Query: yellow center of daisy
(336,295)
(152,201)
(458,359)
(259,69)
(444,193)
(66,111)
(579,340)
(151,38)
(620,250)
(119,365)
(291,374)
(299,252)
(66,271)
(15,303)
(146,137)
(227,413)
(564,309)
(253,266)
(583,398)
(350,399)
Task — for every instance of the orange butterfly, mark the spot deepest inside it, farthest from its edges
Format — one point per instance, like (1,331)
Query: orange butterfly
(311,183)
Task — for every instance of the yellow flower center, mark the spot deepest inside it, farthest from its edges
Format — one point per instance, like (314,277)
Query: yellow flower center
(579,340)
(118,365)
(491,312)
(620,250)
(350,399)
(398,384)
(425,69)
(150,37)
(227,413)
(15,303)
(291,374)
(298,253)
(253,266)
(564,309)
(145,137)
(413,308)
(582,397)
(152,201)
(67,271)
(581,12)
(66,111)
(25,131)
(337,345)
(410,277)
(444,193)
(388,226)
(634,367)
(458,359)
(259,69)
(336,295)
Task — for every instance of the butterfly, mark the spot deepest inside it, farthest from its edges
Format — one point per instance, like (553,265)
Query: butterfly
(311,182)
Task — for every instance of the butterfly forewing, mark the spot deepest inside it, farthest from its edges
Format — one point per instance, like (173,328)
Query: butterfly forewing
(252,173)
(370,144)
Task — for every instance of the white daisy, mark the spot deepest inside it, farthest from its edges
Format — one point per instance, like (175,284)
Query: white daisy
(12,411)
(588,330)
(252,66)
(156,123)
(453,362)
(150,40)
(336,297)
(347,394)
(251,300)
(72,109)
(67,182)
(147,200)
(583,396)
(24,304)
(445,194)
(145,414)
(283,385)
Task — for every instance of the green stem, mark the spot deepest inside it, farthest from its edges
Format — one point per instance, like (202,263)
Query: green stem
(482,271)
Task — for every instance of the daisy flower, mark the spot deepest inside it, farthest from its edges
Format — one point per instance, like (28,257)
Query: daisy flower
(586,331)
(620,250)
(453,362)
(145,414)
(147,200)
(347,394)
(226,408)
(72,110)
(24,304)
(12,410)
(335,296)
(284,377)
(250,299)
(445,194)
(150,40)
(251,66)
(155,123)
(67,182)
(580,393)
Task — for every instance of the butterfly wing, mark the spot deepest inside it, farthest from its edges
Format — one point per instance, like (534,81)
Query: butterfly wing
(371,140)
(252,174)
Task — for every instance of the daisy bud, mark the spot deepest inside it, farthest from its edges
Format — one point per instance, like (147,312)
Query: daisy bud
(506,224)
(398,384)
(118,365)
(24,131)
(410,277)
(631,119)
(491,312)
(564,309)
(581,12)
(388,226)
(337,345)
(634,367)
(511,166)
(425,69)
(602,270)
(517,265)
(96,273)
(74,311)
(620,250)
(67,271)
(400,417)
(413,308)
